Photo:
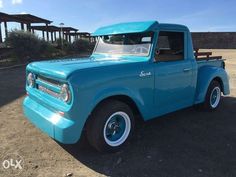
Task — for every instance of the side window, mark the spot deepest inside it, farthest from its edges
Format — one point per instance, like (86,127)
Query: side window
(170,46)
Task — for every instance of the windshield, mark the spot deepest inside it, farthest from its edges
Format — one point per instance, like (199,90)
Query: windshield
(138,44)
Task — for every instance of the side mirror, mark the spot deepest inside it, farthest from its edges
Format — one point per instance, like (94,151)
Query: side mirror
(157,53)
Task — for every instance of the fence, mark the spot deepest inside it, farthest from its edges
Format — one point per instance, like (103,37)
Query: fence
(214,40)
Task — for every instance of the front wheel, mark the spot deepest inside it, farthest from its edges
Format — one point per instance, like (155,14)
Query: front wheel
(213,96)
(110,126)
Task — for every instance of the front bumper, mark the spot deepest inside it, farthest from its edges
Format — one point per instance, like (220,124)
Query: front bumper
(50,122)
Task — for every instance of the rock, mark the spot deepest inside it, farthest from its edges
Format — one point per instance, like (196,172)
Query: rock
(200,170)
(69,174)
(107,170)
(35,166)
(119,160)
(149,157)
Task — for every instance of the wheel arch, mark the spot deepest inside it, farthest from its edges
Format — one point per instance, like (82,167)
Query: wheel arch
(122,98)
(219,80)
(125,99)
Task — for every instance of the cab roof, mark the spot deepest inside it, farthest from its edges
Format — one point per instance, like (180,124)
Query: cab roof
(136,27)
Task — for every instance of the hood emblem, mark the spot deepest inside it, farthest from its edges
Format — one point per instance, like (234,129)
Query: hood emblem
(144,74)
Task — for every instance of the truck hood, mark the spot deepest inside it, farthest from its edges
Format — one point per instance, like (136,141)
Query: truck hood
(63,68)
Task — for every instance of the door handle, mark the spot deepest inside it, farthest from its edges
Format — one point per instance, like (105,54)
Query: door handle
(186,69)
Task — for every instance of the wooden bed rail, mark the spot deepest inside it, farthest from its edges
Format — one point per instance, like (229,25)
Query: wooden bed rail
(206,55)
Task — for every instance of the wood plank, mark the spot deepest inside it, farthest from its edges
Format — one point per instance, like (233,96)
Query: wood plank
(208,58)
(203,53)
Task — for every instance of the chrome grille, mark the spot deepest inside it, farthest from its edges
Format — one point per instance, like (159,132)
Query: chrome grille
(49,86)
(49,81)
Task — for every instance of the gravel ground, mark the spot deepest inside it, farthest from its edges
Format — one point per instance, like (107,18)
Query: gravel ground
(183,143)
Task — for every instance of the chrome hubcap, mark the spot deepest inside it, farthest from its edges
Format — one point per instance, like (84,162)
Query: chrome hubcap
(215,97)
(117,129)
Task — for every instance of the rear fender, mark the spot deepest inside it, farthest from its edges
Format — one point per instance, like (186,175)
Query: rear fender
(205,75)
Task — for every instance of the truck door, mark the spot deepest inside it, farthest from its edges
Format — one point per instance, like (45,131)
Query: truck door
(173,73)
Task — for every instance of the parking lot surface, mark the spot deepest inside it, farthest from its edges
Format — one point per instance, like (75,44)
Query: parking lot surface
(184,143)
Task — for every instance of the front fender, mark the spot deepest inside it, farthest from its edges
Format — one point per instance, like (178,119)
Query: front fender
(205,75)
(115,91)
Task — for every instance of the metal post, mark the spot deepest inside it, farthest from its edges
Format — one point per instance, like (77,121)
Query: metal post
(0,33)
(66,36)
(22,26)
(55,36)
(47,32)
(52,37)
(5,26)
(69,38)
(43,35)
(61,35)
(28,27)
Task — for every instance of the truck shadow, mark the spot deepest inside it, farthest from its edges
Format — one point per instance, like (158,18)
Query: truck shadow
(183,143)
(12,84)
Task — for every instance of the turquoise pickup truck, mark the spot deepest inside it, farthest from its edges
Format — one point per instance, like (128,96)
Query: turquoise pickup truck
(138,69)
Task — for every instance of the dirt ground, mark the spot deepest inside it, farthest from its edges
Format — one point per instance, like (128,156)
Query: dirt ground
(185,143)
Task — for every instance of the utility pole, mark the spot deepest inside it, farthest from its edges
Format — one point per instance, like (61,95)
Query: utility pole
(62,35)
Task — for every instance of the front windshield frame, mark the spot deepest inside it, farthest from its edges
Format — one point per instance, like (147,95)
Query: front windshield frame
(148,44)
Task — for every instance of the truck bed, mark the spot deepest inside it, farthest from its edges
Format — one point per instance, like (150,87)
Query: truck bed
(205,58)
(210,62)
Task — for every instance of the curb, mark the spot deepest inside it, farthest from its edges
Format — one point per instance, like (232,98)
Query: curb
(14,66)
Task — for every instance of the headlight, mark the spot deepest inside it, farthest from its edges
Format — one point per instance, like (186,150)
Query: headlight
(65,93)
(31,79)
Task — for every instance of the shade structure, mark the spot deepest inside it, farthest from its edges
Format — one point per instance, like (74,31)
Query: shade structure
(23,19)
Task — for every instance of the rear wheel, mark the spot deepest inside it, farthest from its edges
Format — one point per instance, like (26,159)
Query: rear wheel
(110,126)
(213,96)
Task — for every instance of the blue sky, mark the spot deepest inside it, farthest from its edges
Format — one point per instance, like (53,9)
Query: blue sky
(87,15)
